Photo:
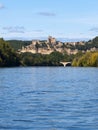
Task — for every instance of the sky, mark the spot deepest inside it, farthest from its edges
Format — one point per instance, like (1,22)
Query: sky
(37,19)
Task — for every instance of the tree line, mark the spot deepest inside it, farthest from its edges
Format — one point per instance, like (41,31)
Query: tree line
(10,58)
(88,59)
(53,59)
(18,44)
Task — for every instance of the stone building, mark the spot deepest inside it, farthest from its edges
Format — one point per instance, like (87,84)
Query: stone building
(51,39)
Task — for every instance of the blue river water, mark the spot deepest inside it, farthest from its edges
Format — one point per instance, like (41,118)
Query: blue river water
(49,98)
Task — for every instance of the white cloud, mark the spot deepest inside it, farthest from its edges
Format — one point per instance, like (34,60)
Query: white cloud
(29,35)
(16,29)
(1,6)
(48,14)
(94,29)
(37,31)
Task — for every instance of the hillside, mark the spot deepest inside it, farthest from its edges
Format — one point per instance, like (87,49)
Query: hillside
(51,45)
(48,46)
(88,56)
(8,57)
(17,44)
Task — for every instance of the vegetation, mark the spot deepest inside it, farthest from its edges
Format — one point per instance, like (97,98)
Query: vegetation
(88,59)
(54,59)
(18,44)
(87,45)
(8,57)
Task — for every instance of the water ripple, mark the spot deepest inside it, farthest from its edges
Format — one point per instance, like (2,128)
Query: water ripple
(49,98)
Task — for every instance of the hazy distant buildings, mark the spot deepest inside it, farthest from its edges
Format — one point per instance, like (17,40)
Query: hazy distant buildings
(50,45)
(51,40)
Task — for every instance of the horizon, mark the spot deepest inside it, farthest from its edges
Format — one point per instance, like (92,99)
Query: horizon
(69,20)
(45,38)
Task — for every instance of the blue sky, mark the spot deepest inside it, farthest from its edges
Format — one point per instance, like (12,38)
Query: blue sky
(31,19)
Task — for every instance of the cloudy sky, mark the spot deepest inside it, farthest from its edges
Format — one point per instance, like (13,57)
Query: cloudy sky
(30,19)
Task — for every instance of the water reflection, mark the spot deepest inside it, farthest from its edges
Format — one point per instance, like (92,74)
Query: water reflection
(51,98)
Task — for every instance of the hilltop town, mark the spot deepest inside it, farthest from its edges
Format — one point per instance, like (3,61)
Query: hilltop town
(48,53)
(51,44)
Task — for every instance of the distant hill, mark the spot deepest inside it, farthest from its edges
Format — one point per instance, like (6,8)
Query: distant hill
(51,45)
(17,44)
(48,53)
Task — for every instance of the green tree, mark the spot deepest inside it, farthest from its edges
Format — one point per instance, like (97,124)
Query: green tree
(8,57)
(88,59)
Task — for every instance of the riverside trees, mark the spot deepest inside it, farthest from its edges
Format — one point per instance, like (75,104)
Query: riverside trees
(8,57)
(88,59)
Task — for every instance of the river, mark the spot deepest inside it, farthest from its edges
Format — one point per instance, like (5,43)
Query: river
(49,98)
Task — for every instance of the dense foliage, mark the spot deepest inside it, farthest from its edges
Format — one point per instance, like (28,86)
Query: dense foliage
(18,44)
(54,59)
(8,57)
(87,45)
(88,59)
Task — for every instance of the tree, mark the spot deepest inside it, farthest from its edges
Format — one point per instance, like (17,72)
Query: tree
(88,59)
(8,57)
